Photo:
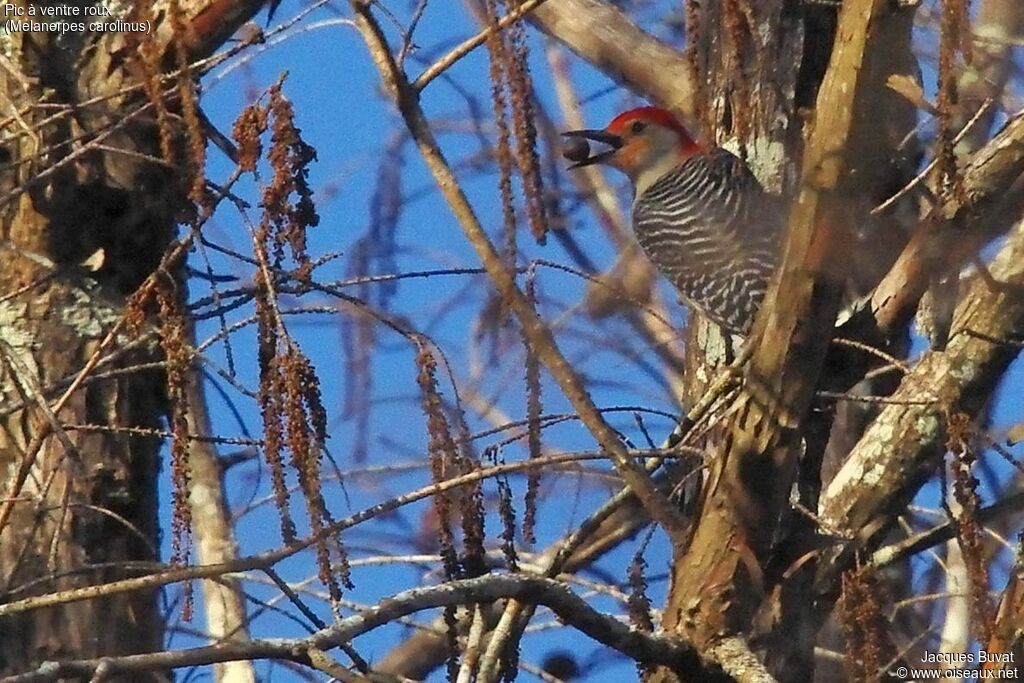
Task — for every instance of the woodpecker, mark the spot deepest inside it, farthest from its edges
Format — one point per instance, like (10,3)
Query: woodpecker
(699,214)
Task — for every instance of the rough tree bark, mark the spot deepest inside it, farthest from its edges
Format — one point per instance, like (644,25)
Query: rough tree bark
(82,181)
(763,70)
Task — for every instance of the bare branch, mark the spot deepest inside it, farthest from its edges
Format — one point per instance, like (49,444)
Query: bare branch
(605,37)
(534,329)
(988,180)
(901,447)
(574,611)
(272,557)
(223,602)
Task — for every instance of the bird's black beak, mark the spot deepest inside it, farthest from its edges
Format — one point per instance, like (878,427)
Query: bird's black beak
(576,148)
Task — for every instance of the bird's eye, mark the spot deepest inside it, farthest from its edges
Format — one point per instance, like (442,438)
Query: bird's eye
(637,126)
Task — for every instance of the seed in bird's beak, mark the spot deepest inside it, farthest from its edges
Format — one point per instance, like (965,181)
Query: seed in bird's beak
(576,149)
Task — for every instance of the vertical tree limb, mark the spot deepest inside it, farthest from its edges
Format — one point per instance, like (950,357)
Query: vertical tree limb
(718,579)
(223,600)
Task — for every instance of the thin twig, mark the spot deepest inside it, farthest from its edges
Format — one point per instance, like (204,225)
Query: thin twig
(539,336)
(272,557)
(571,609)
(927,170)
(470,44)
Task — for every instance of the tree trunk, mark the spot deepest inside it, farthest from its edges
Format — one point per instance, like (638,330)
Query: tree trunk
(88,207)
(762,64)
(80,504)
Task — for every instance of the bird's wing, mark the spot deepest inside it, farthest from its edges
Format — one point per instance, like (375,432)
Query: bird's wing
(712,230)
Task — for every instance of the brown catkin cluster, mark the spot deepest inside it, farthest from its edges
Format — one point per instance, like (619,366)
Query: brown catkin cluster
(149,53)
(294,419)
(306,424)
(287,201)
(446,462)
(506,513)
(187,92)
(969,532)
(442,452)
(247,132)
(639,604)
(953,39)
(868,646)
(520,86)
(271,409)
(512,99)
(151,57)
(135,308)
(498,50)
(174,340)
(534,408)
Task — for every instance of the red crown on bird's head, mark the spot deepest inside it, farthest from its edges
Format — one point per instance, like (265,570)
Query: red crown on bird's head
(657,116)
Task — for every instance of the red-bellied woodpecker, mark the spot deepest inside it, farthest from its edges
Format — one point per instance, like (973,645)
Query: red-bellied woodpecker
(700,215)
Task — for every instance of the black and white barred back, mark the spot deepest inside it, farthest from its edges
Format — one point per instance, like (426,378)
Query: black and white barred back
(712,230)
